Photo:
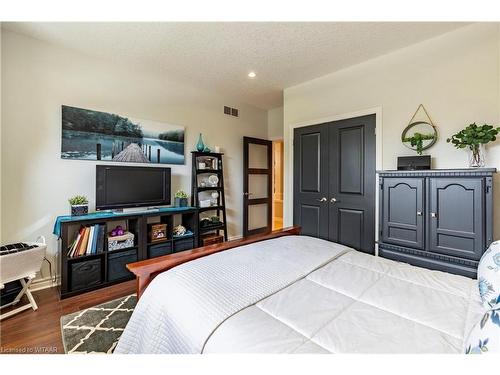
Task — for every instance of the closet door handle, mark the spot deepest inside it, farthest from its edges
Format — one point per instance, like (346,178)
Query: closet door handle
(322,199)
(434,215)
(419,213)
(333,200)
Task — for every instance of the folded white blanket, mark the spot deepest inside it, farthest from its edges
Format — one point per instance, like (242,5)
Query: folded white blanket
(182,307)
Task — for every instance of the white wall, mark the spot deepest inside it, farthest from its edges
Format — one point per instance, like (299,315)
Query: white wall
(456,76)
(0,134)
(275,124)
(38,78)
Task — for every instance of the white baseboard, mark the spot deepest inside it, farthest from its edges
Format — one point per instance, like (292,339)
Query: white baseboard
(46,282)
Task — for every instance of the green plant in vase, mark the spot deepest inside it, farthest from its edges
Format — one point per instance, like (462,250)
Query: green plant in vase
(180,198)
(79,205)
(417,141)
(474,137)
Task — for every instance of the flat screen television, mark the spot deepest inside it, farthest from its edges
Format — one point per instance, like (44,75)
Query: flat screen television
(126,187)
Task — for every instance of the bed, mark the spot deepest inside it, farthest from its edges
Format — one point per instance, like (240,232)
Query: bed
(298,294)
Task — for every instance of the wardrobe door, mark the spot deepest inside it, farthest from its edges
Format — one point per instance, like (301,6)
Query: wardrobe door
(310,202)
(403,207)
(351,163)
(456,216)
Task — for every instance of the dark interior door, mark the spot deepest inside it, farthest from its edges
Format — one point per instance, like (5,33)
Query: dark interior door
(456,217)
(334,181)
(310,168)
(257,185)
(403,207)
(351,171)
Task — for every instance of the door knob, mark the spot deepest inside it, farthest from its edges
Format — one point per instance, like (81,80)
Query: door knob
(333,200)
(434,215)
(419,213)
(322,199)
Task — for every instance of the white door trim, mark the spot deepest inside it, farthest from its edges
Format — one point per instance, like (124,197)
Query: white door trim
(288,136)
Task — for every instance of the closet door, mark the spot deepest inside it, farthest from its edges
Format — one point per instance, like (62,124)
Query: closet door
(310,191)
(402,212)
(456,216)
(351,161)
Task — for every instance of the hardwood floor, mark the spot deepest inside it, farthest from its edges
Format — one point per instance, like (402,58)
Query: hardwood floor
(39,331)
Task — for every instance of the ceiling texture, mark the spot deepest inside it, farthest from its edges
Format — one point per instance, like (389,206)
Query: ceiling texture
(219,55)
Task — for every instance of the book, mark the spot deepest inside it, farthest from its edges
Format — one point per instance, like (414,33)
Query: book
(94,239)
(71,248)
(76,244)
(85,240)
(100,239)
(89,243)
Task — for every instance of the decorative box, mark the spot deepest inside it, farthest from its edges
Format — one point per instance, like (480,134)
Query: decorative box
(120,242)
(212,239)
(205,203)
(157,232)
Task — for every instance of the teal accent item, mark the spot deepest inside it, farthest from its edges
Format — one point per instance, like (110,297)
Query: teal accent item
(110,215)
(200,146)
(207,149)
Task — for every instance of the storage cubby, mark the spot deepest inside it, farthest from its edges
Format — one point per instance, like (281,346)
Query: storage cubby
(106,267)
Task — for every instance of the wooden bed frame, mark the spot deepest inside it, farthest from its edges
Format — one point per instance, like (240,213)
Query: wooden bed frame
(147,269)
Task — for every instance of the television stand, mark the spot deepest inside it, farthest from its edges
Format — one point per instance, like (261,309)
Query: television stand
(84,273)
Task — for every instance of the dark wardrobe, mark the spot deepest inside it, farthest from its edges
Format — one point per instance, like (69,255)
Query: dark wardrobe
(438,219)
(334,181)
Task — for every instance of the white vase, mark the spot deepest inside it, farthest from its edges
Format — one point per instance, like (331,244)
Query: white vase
(477,157)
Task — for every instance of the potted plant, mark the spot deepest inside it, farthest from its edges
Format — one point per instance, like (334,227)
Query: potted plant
(79,205)
(181,199)
(474,138)
(417,141)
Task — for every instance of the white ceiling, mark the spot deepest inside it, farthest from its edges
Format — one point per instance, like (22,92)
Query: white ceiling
(218,55)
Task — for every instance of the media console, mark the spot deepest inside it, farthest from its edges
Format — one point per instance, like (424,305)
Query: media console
(84,273)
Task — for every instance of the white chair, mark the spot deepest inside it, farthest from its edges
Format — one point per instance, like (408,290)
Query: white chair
(21,265)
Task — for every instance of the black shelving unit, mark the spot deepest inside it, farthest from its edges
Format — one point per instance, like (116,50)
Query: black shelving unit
(197,176)
(89,272)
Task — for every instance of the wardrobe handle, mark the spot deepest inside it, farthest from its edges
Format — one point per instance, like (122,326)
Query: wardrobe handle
(333,200)
(434,215)
(419,213)
(322,199)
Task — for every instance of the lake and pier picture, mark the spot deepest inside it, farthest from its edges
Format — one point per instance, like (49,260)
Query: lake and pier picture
(94,135)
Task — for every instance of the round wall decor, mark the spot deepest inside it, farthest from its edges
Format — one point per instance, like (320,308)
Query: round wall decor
(419,135)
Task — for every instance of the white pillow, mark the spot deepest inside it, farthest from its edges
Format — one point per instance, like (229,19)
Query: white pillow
(488,276)
(485,336)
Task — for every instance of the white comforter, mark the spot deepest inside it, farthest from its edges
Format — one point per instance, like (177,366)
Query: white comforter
(301,295)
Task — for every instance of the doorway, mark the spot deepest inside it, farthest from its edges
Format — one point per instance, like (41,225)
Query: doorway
(278,163)
(263,165)
(257,185)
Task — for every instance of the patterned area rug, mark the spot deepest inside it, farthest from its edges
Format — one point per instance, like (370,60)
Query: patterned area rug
(97,329)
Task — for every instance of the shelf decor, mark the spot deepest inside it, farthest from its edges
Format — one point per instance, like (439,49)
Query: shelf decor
(200,146)
(180,199)
(158,232)
(124,241)
(79,205)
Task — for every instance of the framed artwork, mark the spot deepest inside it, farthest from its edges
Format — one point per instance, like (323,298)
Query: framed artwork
(94,135)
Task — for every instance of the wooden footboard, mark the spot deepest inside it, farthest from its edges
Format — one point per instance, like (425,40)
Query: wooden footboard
(147,269)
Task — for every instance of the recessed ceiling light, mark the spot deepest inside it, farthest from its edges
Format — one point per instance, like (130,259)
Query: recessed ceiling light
(252,75)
